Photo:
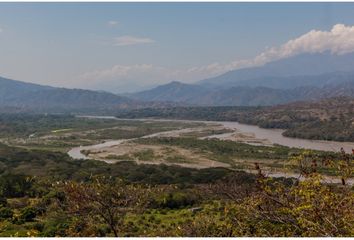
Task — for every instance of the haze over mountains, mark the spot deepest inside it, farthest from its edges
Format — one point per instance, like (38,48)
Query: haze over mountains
(299,65)
(32,97)
(303,77)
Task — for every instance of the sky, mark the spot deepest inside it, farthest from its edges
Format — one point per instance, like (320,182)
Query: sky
(125,47)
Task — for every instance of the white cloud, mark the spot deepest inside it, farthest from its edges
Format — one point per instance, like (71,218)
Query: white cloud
(339,40)
(1,30)
(130,40)
(112,23)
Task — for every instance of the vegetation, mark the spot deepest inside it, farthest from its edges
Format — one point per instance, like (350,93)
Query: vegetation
(244,156)
(23,125)
(102,201)
(58,166)
(62,132)
(45,193)
(235,204)
(329,119)
(224,149)
(144,155)
(334,130)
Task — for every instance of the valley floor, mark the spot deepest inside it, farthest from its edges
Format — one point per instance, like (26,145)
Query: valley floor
(183,178)
(175,147)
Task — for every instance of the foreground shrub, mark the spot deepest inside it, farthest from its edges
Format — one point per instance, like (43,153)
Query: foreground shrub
(6,213)
(28,214)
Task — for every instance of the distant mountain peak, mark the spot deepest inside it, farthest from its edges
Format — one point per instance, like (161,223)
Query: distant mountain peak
(34,97)
(300,65)
(175,83)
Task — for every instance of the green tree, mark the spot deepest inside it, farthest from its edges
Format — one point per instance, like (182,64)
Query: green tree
(14,185)
(103,201)
(307,208)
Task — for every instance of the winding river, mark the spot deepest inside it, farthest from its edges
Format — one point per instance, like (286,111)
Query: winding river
(274,136)
(271,136)
(267,136)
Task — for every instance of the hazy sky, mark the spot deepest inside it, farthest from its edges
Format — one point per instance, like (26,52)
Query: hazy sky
(128,46)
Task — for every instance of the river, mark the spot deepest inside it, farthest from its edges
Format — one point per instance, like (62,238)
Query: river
(271,136)
(275,136)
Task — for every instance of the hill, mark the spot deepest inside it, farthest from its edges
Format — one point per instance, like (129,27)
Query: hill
(197,95)
(290,82)
(17,96)
(174,91)
(30,96)
(328,119)
(297,66)
(298,78)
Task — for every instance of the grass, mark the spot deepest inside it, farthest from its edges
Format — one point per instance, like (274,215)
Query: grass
(144,155)
(238,155)
(162,219)
(206,132)
(61,130)
(124,157)
(80,131)
(176,158)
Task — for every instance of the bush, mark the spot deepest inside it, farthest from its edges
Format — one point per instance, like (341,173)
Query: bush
(174,200)
(28,214)
(52,229)
(14,185)
(3,201)
(6,213)
(38,226)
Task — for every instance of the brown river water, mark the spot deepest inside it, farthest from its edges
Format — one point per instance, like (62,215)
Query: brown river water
(268,136)
(272,136)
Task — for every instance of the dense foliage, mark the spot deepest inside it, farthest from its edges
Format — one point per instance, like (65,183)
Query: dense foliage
(34,125)
(124,199)
(57,166)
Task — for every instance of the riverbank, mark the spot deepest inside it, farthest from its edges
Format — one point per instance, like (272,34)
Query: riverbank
(252,134)
(112,151)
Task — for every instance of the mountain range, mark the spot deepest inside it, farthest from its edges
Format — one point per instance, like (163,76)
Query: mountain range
(17,96)
(300,65)
(303,77)
(27,96)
